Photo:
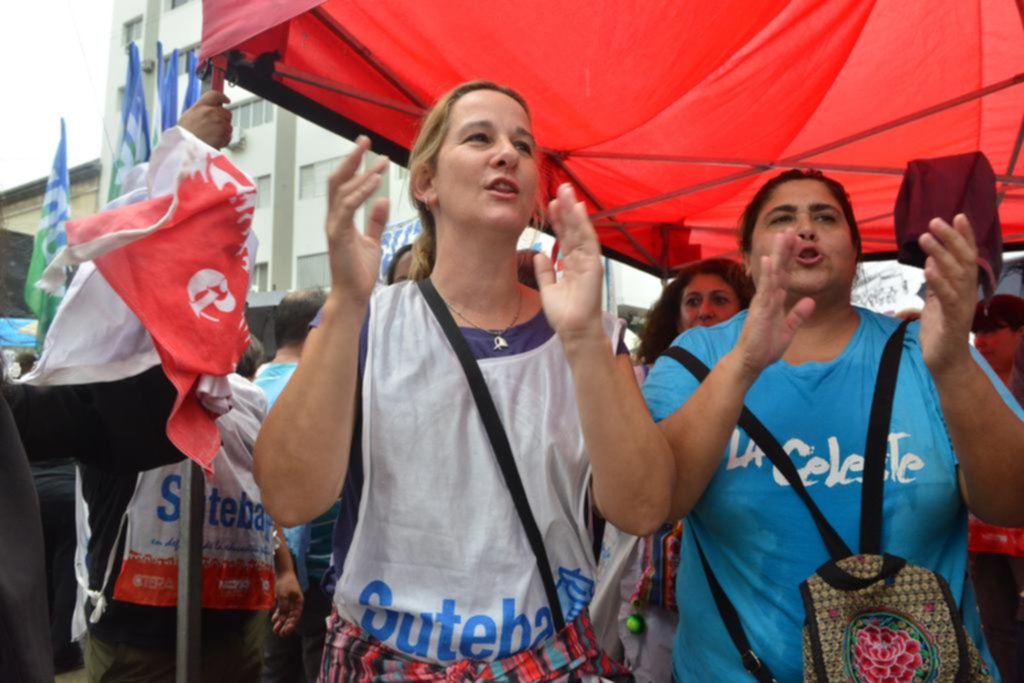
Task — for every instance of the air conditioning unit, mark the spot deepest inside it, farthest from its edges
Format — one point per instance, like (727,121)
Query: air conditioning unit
(237,139)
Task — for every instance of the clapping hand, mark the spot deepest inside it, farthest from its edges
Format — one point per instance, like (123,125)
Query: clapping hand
(355,257)
(572,304)
(770,326)
(951,271)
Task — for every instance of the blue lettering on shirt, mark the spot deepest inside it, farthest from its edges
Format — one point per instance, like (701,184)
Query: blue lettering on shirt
(165,514)
(574,592)
(225,511)
(481,637)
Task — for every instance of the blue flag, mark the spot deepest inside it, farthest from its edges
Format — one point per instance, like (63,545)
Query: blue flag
(169,93)
(50,238)
(159,85)
(192,90)
(133,147)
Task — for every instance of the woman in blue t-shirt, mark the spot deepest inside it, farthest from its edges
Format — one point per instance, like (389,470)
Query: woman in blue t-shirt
(804,360)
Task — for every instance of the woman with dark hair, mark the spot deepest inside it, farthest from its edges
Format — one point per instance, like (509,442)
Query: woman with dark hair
(702,294)
(804,361)
(443,575)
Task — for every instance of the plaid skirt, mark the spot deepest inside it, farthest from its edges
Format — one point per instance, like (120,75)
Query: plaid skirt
(351,656)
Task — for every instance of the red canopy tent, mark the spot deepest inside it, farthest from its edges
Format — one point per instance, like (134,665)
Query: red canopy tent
(666,115)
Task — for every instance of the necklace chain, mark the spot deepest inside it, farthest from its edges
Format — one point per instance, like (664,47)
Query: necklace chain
(500,343)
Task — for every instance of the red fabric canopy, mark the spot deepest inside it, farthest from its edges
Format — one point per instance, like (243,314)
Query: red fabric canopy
(667,114)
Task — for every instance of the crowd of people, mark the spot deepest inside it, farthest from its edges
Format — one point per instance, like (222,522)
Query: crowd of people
(418,483)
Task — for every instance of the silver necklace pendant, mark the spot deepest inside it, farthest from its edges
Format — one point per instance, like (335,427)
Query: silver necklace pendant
(499,343)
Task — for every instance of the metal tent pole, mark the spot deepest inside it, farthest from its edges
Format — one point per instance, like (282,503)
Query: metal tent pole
(190,577)
(188,647)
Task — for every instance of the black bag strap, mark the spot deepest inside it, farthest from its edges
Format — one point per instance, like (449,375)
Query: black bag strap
(755,429)
(751,662)
(499,442)
(843,580)
(877,441)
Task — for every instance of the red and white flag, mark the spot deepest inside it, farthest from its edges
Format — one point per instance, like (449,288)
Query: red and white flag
(181,263)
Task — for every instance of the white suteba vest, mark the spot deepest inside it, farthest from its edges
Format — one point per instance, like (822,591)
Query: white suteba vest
(238,547)
(440,567)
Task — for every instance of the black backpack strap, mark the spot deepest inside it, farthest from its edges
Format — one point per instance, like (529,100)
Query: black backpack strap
(877,441)
(755,429)
(731,620)
(499,442)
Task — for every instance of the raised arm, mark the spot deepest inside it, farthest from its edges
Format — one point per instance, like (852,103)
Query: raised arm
(698,431)
(632,466)
(302,451)
(118,426)
(987,435)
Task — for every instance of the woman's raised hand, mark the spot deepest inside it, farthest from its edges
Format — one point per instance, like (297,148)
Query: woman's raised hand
(951,271)
(572,304)
(355,257)
(770,326)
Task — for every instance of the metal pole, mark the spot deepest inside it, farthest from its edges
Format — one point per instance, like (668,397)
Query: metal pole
(188,648)
(190,576)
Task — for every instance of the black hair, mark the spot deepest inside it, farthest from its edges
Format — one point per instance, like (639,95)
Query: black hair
(662,324)
(251,360)
(749,219)
(294,314)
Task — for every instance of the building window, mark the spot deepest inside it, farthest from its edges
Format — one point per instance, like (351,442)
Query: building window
(260,278)
(263,192)
(252,113)
(313,178)
(132,31)
(313,271)
(177,3)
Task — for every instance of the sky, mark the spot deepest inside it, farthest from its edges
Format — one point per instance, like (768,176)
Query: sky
(54,54)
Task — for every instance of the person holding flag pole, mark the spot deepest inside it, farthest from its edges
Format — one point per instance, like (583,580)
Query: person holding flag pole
(114,416)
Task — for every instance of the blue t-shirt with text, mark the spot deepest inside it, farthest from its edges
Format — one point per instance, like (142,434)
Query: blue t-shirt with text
(759,538)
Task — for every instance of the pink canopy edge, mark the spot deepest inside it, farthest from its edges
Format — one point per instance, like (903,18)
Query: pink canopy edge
(667,118)
(228,23)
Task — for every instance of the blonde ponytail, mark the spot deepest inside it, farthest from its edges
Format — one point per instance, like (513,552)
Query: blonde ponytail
(424,251)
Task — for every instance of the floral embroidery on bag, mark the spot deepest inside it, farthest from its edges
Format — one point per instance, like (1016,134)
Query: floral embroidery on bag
(882,647)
